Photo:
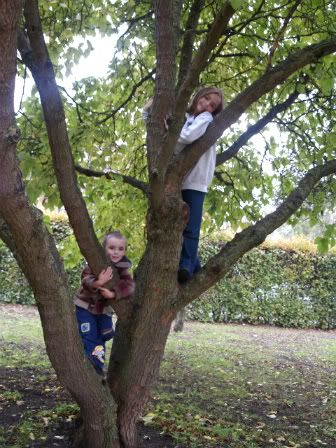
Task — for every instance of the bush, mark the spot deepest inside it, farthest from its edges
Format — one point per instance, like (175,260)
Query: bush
(14,288)
(272,286)
(269,286)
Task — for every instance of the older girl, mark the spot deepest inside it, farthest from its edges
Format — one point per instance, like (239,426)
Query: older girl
(205,104)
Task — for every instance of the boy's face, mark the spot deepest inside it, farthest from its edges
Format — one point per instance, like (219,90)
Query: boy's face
(115,248)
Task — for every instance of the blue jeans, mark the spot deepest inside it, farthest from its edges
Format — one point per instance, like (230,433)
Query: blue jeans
(95,330)
(189,259)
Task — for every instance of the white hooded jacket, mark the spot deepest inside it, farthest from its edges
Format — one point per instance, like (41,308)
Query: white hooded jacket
(200,176)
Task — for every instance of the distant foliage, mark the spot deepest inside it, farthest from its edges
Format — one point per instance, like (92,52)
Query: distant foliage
(269,286)
(274,287)
(14,287)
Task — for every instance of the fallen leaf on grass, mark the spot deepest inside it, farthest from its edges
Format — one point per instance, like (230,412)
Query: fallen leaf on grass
(45,421)
(148,419)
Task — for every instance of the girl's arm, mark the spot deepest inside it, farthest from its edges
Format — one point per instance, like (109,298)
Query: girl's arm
(196,128)
(147,109)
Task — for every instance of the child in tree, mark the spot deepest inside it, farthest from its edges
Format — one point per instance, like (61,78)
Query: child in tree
(206,103)
(93,311)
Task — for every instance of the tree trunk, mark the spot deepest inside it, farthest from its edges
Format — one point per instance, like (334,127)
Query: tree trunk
(38,256)
(133,372)
(138,347)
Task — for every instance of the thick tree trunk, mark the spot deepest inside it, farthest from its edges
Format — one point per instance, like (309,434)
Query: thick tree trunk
(132,375)
(64,347)
(138,347)
(37,254)
(139,373)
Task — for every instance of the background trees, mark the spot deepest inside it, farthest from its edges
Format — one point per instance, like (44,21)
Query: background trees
(275,64)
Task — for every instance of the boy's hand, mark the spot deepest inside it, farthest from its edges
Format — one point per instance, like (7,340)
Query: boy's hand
(105,276)
(106,293)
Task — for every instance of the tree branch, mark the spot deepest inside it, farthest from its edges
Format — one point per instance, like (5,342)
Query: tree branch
(188,41)
(128,99)
(251,237)
(281,32)
(111,174)
(167,13)
(277,75)
(200,59)
(254,129)
(198,63)
(35,55)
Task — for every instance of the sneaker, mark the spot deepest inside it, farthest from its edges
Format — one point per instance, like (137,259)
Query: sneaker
(183,275)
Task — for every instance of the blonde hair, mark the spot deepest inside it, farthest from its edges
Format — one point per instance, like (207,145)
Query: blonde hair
(206,91)
(115,234)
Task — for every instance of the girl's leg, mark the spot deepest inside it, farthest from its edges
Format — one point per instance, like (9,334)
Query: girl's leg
(195,201)
(93,344)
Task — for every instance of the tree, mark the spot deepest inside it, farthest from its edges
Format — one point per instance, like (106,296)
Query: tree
(281,69)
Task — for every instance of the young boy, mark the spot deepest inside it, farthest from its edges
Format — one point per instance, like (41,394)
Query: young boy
(93,311)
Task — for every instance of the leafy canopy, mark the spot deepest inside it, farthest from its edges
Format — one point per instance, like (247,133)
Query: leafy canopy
(104,114)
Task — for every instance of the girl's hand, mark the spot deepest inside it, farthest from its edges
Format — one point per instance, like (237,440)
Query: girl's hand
(105,276)
(106,293)
(149,104)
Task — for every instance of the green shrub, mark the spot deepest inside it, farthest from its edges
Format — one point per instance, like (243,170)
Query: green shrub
(14,287)
(272,286)
(269,286)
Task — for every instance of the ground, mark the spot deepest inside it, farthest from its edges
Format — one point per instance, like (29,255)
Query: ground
(28,392)
(231,386)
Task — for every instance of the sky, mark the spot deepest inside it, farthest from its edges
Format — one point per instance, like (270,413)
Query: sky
(95,64)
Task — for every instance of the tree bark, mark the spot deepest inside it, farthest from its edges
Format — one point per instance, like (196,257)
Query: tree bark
(144,323)
(35,55)
(36,251)
(139,346)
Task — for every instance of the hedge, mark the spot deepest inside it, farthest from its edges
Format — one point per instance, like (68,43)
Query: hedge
(274,287)
(278,287)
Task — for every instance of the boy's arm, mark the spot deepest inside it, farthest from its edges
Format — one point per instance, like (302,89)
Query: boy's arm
(91,282)
(88,279)
(125,286)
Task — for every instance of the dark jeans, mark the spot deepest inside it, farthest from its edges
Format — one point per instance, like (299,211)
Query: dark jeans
(95,330)
(189,259)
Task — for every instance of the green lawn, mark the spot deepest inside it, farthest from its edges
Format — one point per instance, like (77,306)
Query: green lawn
(220,385)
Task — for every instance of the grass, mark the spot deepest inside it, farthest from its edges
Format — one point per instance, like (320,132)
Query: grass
(220,386)
(243,386)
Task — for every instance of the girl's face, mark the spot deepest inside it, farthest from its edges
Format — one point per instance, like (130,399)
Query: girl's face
(115,248)
(208,103)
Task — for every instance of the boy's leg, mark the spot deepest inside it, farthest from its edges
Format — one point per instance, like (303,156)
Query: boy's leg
(93,345)
(195,200)
(105,327)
